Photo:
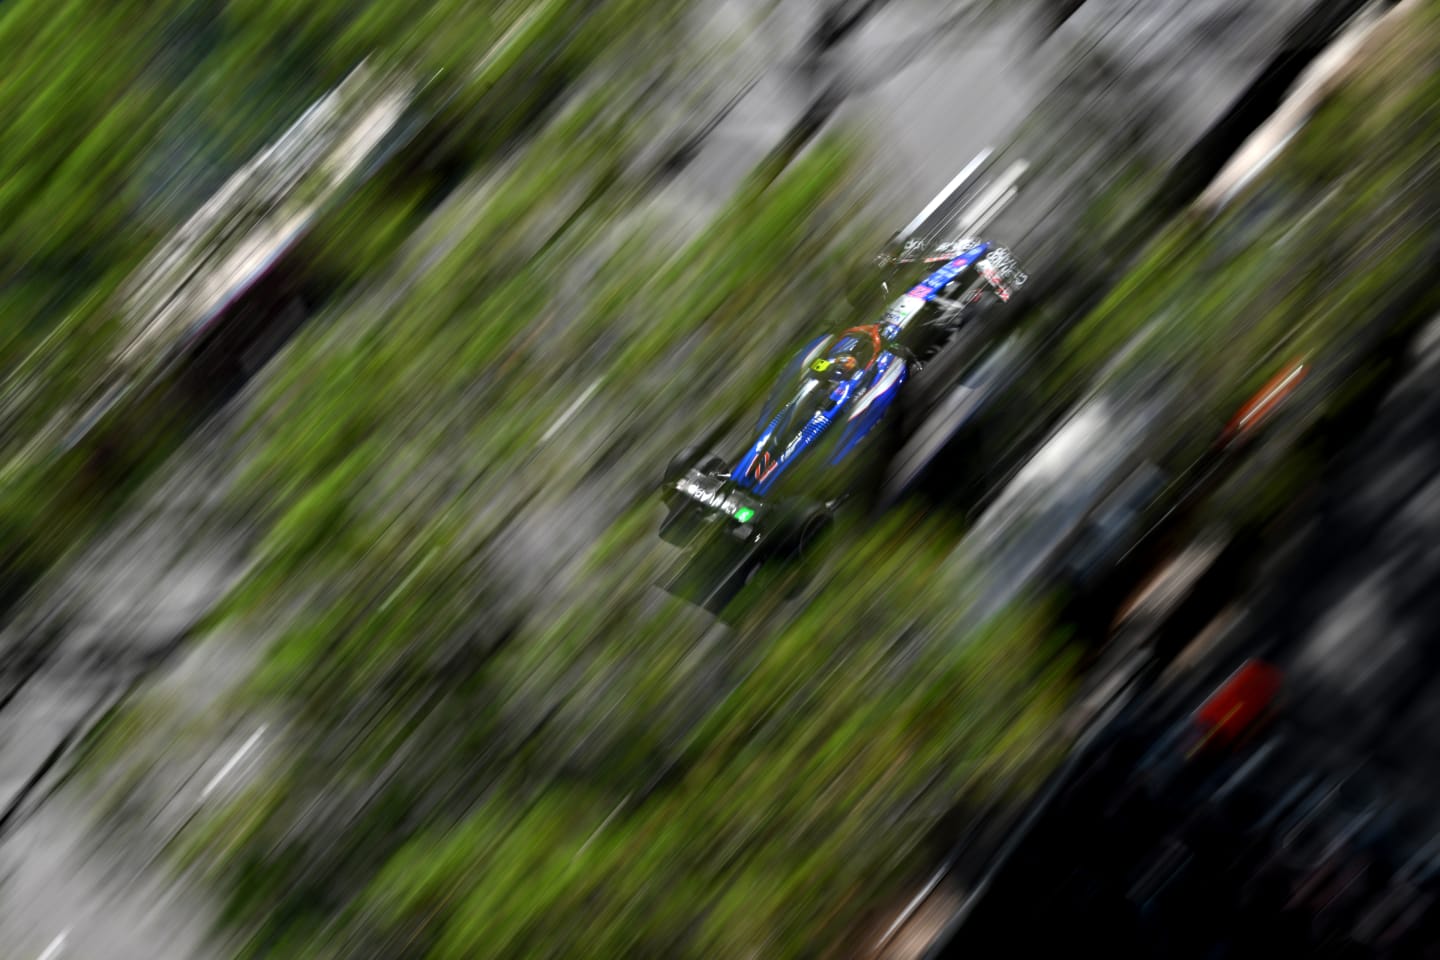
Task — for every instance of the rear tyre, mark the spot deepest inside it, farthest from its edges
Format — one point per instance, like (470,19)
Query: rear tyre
(680,464)
(816,524)
(804,530)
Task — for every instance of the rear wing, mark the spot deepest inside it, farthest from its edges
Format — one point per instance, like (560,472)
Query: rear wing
(953,220)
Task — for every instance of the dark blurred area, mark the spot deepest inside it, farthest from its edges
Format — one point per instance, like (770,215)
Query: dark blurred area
(1272,792)
(776,478)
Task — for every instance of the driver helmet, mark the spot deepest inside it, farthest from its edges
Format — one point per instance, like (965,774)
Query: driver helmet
(845,356)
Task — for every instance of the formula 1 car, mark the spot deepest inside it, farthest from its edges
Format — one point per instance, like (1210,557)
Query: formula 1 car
(821,420)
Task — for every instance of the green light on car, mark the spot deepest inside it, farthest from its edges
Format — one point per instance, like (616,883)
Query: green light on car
(744,514)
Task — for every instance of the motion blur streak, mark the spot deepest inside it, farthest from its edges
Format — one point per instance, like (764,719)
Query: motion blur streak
(769,478)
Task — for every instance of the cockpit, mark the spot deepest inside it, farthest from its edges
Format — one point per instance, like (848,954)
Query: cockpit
(851,352)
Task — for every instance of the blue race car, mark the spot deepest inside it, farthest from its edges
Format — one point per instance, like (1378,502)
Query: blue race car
(824,415)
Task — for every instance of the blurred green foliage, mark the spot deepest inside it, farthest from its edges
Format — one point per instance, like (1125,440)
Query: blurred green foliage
(120,120)
(1317,260)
